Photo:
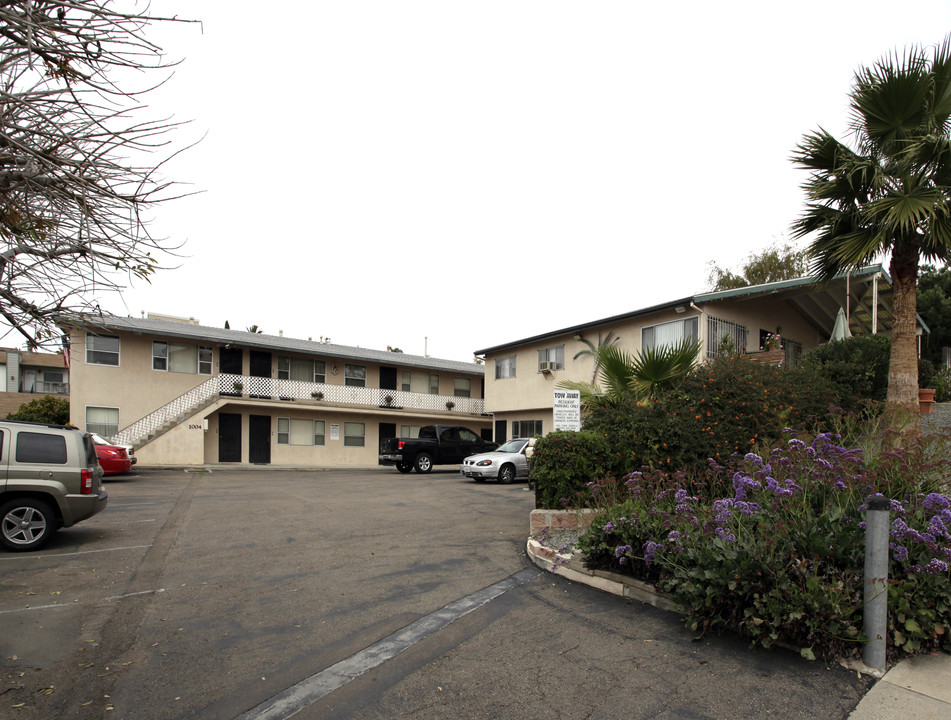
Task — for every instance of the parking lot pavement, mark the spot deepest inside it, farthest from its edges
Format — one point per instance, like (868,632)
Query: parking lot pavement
(205,595)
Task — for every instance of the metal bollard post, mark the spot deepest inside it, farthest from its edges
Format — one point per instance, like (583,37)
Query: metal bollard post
(875,616)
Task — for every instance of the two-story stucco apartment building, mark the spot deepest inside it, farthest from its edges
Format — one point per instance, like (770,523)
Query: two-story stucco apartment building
(187,394)
(522,375)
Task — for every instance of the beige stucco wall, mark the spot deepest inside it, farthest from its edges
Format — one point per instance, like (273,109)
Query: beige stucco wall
(533,390)
(182,445)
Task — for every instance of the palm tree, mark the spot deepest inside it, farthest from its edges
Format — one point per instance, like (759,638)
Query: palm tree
(890,194)
(592,349)
(627,378)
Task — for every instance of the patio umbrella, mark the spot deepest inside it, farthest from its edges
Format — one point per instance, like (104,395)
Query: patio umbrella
(840,330)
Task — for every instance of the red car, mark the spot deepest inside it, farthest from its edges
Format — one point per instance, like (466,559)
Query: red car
(114,459)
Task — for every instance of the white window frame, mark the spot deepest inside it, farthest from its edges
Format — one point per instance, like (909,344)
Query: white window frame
(526,428)
(462,387)
(317,373)
(160,359)
(91,350)
(432,382)
(290,428)
(554,356)
(354,379)
(354,439)
(205,366)
(649,331)
(101,428)
(505,367)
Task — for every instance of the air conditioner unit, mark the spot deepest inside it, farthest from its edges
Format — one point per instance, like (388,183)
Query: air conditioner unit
(546,366)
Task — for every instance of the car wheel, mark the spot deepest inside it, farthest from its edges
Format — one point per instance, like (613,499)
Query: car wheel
(403,468)
(26,524)
(424,463)
(507,474)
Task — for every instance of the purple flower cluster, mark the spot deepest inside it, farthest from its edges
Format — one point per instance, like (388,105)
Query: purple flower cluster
(908,542)
(651,549)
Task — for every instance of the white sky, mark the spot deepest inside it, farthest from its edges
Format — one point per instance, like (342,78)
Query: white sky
(380,172)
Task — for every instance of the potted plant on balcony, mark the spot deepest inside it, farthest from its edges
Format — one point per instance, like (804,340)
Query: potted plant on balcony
(388,400)
(238,387)
(450,405)
(317,395)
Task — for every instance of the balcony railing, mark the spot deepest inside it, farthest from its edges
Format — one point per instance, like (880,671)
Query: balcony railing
(258,387)
(287,390)
(50,388)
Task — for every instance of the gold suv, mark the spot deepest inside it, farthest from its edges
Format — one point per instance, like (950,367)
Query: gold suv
(49,479)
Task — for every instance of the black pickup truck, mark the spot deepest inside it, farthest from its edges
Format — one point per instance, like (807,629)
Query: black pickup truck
(436,445)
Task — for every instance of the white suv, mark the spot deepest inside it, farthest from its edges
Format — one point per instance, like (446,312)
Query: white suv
(49,479)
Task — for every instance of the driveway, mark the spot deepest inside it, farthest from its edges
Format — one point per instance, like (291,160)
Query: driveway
(353,594)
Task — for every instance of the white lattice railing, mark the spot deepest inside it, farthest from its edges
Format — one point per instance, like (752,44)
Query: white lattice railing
(272,388)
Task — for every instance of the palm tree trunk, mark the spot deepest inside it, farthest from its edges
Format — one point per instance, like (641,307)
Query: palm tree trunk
(903,363)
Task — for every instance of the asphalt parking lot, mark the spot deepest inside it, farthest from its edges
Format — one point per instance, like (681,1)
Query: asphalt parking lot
(353,594)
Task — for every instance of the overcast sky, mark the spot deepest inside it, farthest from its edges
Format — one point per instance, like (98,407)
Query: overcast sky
(383,172)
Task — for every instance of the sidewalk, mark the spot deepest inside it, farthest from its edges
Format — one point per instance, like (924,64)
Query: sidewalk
(919,687)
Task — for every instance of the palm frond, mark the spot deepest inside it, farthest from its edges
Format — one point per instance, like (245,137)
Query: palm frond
(656,370)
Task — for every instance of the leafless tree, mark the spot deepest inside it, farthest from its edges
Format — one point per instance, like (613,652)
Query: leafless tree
(78,163)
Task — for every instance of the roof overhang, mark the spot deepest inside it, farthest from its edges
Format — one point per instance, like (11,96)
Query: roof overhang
(865,294)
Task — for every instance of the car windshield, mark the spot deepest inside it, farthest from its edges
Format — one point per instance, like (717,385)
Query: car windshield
(513,446)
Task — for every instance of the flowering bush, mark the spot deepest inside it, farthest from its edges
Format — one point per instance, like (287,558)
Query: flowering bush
(773,547)
(772,341)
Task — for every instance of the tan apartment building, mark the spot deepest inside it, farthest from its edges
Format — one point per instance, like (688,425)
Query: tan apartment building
(522,375)
(189,395)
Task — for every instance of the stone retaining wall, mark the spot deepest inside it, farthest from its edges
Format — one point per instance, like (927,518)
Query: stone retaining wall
(542,520)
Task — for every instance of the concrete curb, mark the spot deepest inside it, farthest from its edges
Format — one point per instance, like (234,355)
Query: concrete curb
(572,568)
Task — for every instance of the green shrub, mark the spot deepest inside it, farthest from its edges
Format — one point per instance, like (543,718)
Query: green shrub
(942,384)
(857,365)
(926,373)
(564,462)
(46,409)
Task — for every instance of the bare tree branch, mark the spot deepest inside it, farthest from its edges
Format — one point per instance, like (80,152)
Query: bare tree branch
(78,167)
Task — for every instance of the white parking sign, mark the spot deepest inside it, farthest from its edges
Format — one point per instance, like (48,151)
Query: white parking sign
(567,408)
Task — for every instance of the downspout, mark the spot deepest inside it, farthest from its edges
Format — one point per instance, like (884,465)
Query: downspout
(701,331)
(875,278)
